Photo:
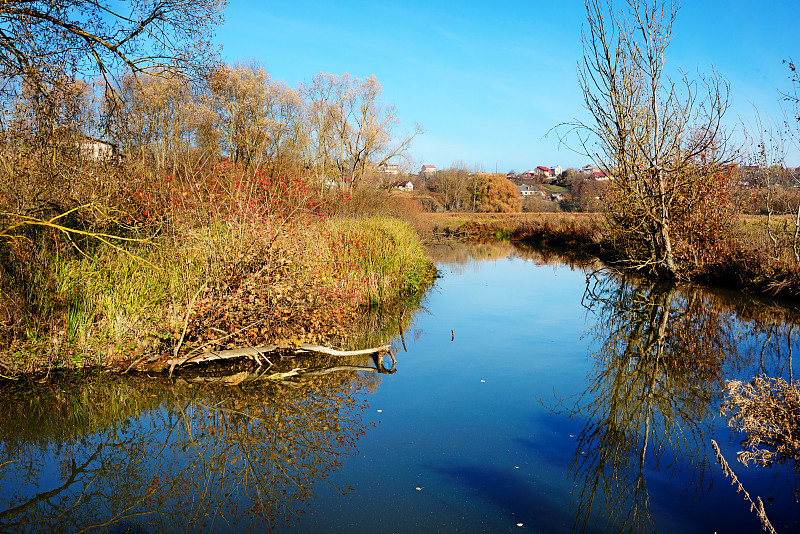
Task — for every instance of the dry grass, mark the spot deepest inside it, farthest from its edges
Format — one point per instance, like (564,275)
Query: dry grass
(768,411)
(749,259)
(756,506)
(452,221)
(575,232)
(274,261)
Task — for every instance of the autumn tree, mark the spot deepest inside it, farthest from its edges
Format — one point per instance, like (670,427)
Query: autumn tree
(494,193)
(587,192)
(256,116)
(156,118)
(658,136)
(50,48)
(46,43)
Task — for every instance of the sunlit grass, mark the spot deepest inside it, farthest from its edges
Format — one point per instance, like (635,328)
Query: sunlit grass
(381,258)
(118,305)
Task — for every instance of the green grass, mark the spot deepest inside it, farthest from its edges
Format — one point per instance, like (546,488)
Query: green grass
(81,308)
(385,252)
(119,293)
(118,305)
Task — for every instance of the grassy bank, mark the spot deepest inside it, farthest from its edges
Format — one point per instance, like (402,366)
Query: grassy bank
(579,233)
(236,259)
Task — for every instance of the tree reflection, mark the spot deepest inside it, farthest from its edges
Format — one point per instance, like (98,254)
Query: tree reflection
(459,255)
(206,456)
(658,365)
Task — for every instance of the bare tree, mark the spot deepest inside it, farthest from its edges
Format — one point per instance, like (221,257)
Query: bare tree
(659,137)
(259,121)
(451,184)
(351,129)
(242,102)
(156,118)
(41,41)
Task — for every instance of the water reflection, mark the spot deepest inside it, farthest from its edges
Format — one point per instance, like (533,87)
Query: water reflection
(204,458)
(661,354)
(460,255)
(233,448)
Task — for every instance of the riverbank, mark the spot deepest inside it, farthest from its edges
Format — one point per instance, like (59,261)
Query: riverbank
(201,271)
(285,268)
(757,256)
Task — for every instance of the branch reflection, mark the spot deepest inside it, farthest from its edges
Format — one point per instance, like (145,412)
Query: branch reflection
(658,367)
(206,456)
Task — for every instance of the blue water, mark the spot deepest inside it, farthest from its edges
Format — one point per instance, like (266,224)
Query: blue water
(461,419)
(481,429)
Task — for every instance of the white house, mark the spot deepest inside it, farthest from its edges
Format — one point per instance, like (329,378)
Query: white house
(403,186)
(96,149)
(589,169)
(389,168)
(528,190)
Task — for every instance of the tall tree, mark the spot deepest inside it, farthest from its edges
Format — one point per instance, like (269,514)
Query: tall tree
(156,118)
(451,184)
(351,129)
(259,121)
(494,193)
(658,136)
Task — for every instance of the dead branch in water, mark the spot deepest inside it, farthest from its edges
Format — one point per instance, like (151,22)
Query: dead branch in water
(258,355)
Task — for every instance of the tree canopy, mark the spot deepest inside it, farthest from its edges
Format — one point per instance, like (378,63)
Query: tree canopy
(47,44)
(493,193)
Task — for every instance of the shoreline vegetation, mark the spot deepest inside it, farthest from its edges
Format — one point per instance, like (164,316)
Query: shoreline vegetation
(233,259)
(751,262)
(272,264)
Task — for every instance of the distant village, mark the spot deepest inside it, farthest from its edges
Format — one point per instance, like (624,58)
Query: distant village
(551,184)
(552,188)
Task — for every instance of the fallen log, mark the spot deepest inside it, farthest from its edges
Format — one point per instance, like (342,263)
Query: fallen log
(256,354)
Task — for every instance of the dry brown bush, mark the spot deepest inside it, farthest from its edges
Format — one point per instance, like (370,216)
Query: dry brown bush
(768,410)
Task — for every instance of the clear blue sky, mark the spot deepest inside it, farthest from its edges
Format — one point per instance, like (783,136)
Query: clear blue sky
(487,81)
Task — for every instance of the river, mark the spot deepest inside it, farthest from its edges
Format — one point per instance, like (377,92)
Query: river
(530,394)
